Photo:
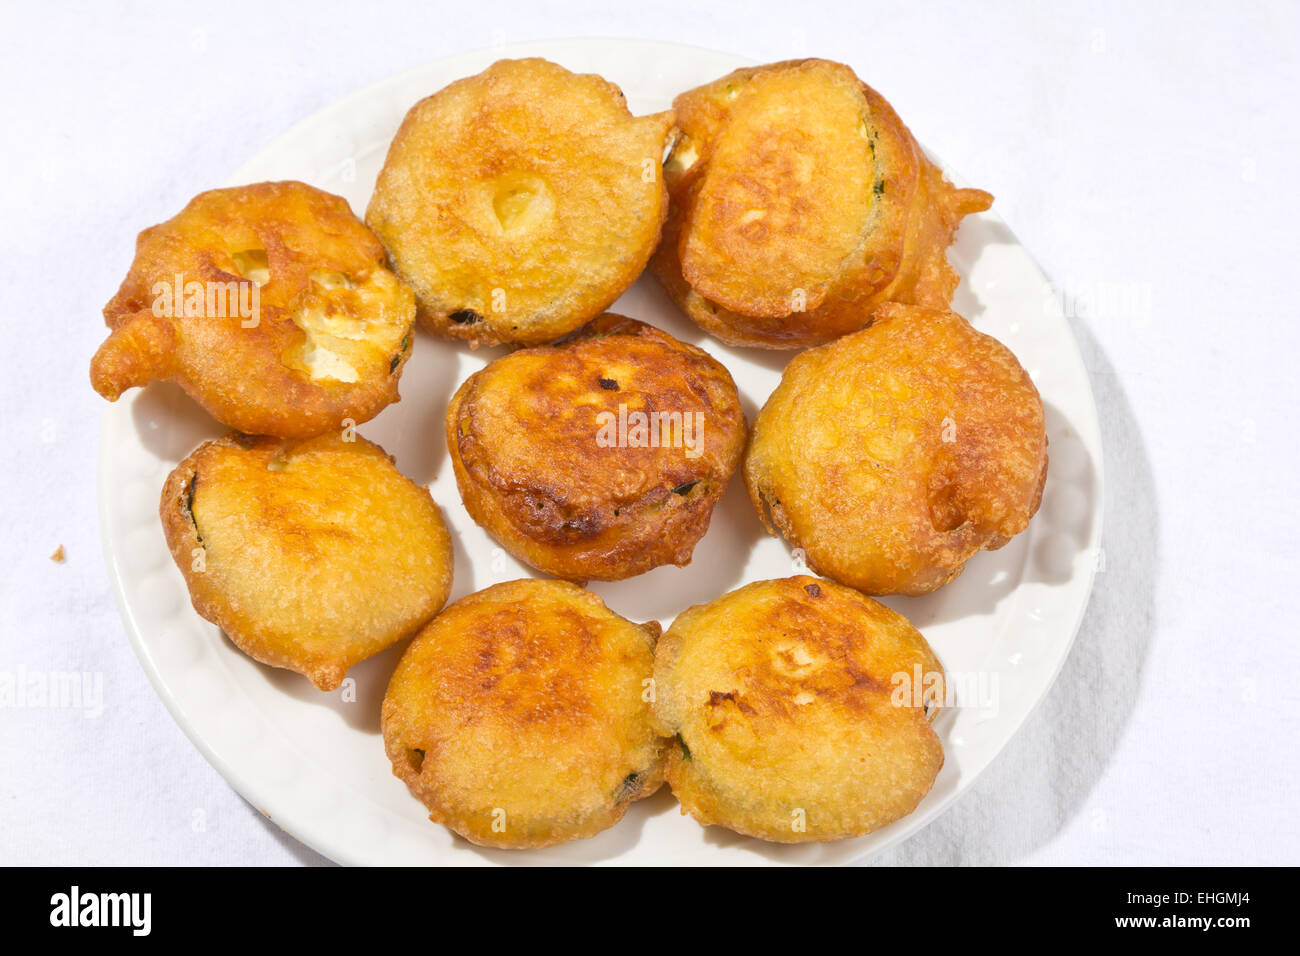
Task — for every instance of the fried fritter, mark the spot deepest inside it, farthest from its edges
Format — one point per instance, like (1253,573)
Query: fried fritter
(799,201)
(601,457)
(795,711)
(896,453)
(269,304)
(521,202)
(520,715)
(311,555)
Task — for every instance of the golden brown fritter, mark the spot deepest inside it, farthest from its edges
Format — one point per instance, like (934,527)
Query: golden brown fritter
(795,711)
(521,202)
(269,304)
(895,454)
(520,716)
(799,202)
(311,555)
(601,457)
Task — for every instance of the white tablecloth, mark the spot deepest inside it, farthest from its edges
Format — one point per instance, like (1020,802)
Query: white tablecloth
(1144,152)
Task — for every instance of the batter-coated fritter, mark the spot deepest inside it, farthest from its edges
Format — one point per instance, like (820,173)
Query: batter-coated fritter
(795,712)
(599,458)
(311,555)
(269,304)
(520,716)
(895,454)
(521,202)
(799,202)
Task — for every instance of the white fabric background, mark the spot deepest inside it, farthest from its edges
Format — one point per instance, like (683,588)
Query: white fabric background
(1145,153)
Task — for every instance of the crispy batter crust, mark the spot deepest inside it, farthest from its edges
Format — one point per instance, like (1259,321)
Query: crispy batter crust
(896,453)
(520,715)
(521,202)
(332,328)
(789,719)
(799,202)
(526,437)
(311,555)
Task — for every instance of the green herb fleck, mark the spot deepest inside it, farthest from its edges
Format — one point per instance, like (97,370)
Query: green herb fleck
(189,506)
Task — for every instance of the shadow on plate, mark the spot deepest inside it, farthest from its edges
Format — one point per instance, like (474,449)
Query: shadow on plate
(356,704)
(413,430)
(1045,552)
(607,845)
(1045,775)
(976,234)
(716,567)
(170,423)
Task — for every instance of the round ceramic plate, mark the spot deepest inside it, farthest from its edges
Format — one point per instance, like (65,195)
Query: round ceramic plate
(314,762)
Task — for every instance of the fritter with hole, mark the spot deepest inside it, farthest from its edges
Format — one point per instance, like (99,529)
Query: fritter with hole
(521,718)
(521,202)
(601,457)
(896,453)
(795,711)
(799,202)
(310,554)
(269,304)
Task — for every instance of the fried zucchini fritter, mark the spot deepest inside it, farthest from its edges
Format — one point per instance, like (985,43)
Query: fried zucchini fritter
(799,201)
(601,457)
(521,202)
(311,555)
(790,716)
(520,715)
(269,304)
(896,453)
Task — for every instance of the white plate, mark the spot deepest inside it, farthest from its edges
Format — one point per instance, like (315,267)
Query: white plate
(315,763)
